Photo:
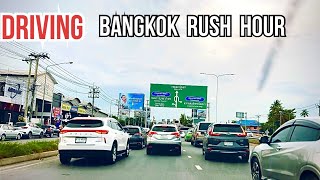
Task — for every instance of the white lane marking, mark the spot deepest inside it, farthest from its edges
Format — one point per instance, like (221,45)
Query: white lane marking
(189,157)
(184,150)
(198,167)
(25,166)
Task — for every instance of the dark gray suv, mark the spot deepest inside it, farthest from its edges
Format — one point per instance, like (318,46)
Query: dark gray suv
(226,139)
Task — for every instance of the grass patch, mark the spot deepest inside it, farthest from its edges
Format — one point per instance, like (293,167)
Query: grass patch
(254,141)
(13,149)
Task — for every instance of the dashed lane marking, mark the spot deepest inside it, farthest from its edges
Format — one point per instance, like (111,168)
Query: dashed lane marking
(198,167)
(189,157)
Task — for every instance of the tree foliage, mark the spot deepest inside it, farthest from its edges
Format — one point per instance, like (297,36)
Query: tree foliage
(185,120)
(304,113)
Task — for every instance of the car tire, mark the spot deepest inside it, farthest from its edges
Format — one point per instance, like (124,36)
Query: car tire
(192,142)
(149,151)
(18,137)
(41,135)
(113,154)
(30,135)
(126,154)
(245,158)
(206,156)
(3,137)
(50,135)
(178,153)
(255,169)
(309,176)
(64,159)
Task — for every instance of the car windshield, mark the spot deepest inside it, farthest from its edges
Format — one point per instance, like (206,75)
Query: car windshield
(227,128)
(84,123)
(164,129)
(20,124)
(204,126)
(133,131)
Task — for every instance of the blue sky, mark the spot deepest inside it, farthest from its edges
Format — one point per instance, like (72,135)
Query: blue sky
(131,64)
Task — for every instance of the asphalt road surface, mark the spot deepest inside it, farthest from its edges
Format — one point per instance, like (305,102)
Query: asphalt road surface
(138,166)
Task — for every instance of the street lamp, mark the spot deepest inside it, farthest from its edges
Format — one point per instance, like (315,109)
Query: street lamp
(45,84)
(217,76)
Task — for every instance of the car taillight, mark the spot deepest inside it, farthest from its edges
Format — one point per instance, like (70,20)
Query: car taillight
(242,135)
(152,133)
(24,127)
(63,131)
(213,134)
(176,134)
(102,131)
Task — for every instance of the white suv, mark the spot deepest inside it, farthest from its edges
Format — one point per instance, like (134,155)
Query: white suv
(93,137)
(29,130)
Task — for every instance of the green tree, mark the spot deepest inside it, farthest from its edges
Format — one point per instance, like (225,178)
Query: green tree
(304,113)
(277,112)
(185,120)
(122,122)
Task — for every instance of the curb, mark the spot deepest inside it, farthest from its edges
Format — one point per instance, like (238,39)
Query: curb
(18,159)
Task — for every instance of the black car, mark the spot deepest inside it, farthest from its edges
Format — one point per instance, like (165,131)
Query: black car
(50,130)
(227,139)
(138,137)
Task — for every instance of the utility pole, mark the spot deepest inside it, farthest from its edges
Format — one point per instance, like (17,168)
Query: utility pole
(319,107)
(37,58)
(208,112)
(258,116)
(280,117)
(245,122)
(28,89)
(94,93)
(145,123)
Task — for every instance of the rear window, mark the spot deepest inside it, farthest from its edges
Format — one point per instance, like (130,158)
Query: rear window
(227,128)
(164,129)
(132,131)
(84,123)
(204,126)
(184,129)
(20,124)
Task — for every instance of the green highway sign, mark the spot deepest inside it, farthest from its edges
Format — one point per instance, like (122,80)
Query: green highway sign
(178,96)
(240,114)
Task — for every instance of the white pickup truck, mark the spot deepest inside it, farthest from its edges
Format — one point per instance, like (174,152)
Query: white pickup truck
(29,130)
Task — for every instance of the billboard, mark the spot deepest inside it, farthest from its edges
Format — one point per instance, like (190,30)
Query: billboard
(178,96)
(132,101)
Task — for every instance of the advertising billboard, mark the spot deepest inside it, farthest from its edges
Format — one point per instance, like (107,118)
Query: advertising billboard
(178,96)
(132,101)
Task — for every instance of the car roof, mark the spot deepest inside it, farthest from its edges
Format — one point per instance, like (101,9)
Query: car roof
(94,118)
(167,125)
(131,126)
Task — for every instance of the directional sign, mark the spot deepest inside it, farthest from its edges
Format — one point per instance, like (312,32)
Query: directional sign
(178,96)
(240,114)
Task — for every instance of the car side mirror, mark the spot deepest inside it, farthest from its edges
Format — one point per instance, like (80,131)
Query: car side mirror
(264,140)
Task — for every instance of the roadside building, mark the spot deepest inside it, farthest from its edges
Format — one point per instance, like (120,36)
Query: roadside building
(250,125)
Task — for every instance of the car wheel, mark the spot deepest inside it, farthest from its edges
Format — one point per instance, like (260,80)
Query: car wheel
(192,142)
(50,135)
(206,156)
(309,176)
(178,153)
(64,159)
(41,135)
(3,137)
(149,151)
(30,135)
(255,169)
(245,158)
(113,155)
(127,151)
(18,136)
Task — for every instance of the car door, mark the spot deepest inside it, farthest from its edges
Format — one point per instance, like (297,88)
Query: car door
(123,136)
(7,131)
(118,135)
(296,152)
(272,157)
(13,133)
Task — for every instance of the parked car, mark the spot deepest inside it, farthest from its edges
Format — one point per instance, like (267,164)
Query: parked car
(188,135)
(198,133)
(93,137)
(292,152)
(229,139)
(164,137)
(30,130)
(50,130)
(138,137)
(8,132)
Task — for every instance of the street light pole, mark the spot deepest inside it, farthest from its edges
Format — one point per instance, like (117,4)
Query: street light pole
(217,77)
(45,84)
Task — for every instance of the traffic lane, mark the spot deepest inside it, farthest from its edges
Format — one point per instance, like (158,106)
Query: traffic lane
(190,165)
(137,166)
(221,167)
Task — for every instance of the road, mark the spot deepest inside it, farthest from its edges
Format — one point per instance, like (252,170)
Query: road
(138,166)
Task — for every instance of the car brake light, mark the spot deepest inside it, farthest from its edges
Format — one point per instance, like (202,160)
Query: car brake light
(176,134)
(102,131)
(242,135)
(63,131)
(24,127)
(213,134)
(152,133)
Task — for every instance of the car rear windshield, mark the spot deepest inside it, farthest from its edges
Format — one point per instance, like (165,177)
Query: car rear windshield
(227,128)
(133,131)
(84,123)
(164,129)
(204,126)
(20,124)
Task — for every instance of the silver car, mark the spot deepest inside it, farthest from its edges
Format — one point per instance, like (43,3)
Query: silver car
(164,137)
(292,152)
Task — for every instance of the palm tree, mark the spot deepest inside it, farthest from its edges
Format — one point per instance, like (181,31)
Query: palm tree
(304,113)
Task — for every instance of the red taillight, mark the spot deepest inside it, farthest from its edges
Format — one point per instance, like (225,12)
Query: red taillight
(242,135)
(63,131)
(176,134)
(24,127)
(213,134)
(102,131)
(152,133)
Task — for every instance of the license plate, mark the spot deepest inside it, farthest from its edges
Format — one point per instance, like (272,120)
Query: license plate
(81,140)
(164,137)
(228,143)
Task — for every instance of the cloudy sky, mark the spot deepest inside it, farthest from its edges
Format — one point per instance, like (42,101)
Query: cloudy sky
(131,64)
